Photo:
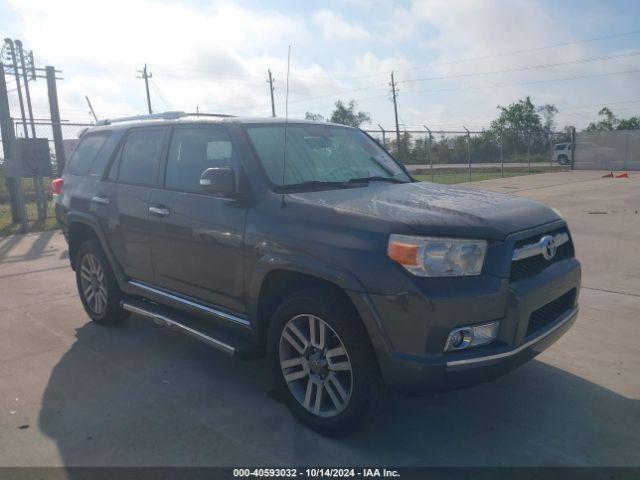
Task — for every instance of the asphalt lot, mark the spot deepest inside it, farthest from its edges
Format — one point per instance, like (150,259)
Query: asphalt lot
(75,393)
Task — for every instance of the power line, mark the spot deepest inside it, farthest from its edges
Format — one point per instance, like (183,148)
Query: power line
(481,87)
(527,68)
(160,94)
(506,54)
(532,67)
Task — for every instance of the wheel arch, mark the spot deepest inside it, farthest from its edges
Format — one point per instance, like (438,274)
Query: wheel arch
(280,282)
(82,227)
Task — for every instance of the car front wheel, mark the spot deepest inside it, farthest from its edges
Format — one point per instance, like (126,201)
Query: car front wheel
(323,362)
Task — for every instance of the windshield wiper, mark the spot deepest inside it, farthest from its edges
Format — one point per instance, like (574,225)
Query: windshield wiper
(376,178)
(312,185)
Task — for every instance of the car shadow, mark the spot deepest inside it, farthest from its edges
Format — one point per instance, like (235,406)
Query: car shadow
(139,395)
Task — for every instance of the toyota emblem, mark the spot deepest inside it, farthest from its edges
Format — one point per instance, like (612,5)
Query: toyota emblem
(549,247)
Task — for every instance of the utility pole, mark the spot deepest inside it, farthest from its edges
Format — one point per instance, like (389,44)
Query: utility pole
(384,136)
(41,203)
(14,185)
(93,113)
(429,150)
(273,105)
(468,149)
(394,94)
(14,62)
(52,90)
(146,75)
(27,93)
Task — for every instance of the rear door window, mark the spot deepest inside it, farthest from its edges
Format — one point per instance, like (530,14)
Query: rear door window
(140,155)
(192,151)
(86,152)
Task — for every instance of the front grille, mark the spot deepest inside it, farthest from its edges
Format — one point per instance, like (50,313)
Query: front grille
(551,312)
(527,267)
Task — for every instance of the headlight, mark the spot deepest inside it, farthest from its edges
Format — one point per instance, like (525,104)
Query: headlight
(438,257)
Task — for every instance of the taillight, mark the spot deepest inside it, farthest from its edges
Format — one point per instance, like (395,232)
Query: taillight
(56,186)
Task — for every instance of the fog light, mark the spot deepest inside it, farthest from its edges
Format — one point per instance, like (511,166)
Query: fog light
(471,336)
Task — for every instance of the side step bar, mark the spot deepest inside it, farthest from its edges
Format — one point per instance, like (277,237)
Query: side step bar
(198,329)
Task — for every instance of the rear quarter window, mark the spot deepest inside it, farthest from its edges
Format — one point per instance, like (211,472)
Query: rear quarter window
(86,152)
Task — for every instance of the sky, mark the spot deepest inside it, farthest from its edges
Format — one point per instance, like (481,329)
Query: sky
(455,61)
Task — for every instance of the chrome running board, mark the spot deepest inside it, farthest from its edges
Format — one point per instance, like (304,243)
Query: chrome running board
(190,303)
(198,329)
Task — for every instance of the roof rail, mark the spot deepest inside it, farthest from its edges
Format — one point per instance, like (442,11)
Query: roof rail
(151,116)
(200,114)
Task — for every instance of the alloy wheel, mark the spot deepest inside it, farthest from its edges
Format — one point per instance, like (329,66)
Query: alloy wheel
(92,280)
(315,365)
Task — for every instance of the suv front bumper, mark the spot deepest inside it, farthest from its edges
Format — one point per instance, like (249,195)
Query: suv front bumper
(413,371)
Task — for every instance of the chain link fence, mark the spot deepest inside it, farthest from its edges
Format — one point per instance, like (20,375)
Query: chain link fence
(614,150)
(70,133)
(457,156)
(440,156)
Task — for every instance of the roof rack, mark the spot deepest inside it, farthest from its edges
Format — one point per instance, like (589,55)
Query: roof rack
(159,116)
(200,114)
(151,116)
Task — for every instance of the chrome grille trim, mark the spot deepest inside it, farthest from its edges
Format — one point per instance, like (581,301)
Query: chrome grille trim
(533,249)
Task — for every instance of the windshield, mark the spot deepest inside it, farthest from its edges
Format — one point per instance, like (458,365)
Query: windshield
(321,153)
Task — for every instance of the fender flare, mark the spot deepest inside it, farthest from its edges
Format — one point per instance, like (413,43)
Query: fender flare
(342,278)
(90,221)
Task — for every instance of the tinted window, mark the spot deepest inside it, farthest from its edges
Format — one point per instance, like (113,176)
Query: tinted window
(192,151)
(139,156)
(85,153)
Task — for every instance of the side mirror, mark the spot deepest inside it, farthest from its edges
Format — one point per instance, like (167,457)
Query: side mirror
(219,180)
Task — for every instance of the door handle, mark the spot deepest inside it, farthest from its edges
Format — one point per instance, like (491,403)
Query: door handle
(160,211)
(100,200)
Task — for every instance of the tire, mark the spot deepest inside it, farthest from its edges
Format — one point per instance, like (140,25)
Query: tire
(348,385)
(97,286)
(563,160)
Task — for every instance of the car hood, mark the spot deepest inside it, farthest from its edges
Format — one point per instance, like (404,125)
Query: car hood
(432,209)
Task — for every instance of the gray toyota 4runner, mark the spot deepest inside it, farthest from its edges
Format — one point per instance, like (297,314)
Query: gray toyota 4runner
(309,243)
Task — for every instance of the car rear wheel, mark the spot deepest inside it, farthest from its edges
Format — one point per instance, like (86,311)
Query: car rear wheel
(323,362)
(97,286)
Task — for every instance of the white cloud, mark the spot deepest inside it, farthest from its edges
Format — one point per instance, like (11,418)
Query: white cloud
(216,56)
(335,28)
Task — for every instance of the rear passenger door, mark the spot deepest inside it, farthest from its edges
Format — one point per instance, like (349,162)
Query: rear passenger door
(123,199)
(196,237)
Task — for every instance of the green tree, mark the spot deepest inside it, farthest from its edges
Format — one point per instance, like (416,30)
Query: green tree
(632,123)
(548,112)
(521,116)
(346,114)
(316,117)
(608,121)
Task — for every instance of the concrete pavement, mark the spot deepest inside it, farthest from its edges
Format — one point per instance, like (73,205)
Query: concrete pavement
(75,393)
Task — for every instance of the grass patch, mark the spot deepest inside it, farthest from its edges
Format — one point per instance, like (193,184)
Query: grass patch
(8,228)
(451,176)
